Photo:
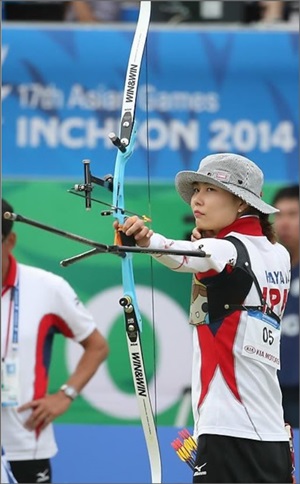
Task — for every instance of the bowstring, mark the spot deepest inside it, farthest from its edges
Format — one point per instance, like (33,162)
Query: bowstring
(150,215)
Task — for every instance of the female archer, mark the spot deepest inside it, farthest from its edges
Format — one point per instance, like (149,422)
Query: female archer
(239,295)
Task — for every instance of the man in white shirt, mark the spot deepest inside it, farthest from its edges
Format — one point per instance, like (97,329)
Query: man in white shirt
(36,304)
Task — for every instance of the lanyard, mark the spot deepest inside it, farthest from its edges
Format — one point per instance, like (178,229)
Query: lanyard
(13,303)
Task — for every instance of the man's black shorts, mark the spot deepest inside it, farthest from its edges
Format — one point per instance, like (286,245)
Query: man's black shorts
(25,471)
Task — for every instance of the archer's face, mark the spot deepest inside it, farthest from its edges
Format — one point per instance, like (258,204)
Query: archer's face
(214,208)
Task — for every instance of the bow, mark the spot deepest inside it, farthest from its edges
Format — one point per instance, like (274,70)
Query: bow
(133,321)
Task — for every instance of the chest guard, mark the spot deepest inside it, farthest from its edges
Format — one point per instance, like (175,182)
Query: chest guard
(227,291)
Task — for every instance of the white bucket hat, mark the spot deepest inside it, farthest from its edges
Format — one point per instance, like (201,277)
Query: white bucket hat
(229,171)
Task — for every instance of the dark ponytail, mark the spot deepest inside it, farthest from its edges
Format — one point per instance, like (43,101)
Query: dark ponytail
(266,225)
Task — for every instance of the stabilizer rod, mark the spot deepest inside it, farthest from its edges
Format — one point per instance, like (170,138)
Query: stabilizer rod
(119,250)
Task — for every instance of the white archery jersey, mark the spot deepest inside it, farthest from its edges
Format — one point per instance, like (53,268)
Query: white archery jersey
(235,390)
(47,305)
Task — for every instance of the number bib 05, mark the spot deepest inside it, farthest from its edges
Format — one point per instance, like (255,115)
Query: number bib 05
(262,339)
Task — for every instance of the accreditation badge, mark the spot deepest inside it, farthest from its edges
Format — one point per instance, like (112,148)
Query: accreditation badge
(10,382)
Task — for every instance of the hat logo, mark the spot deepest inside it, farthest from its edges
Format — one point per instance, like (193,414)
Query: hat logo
(222,176)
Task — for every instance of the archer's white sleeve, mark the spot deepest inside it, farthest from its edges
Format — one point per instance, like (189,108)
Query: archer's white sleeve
(220,253)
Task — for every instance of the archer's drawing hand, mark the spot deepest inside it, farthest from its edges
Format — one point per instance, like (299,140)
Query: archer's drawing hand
(197,234)
(136,227)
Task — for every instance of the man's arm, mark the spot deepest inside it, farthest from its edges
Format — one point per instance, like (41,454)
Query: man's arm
(46,409)
(95,352)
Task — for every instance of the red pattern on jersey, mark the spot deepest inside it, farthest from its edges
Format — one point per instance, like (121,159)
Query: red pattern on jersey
(209,273)
(249,225)
(10,279)
(49,323)
(217,350)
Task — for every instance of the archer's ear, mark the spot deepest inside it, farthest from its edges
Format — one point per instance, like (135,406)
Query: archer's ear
(242,206)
